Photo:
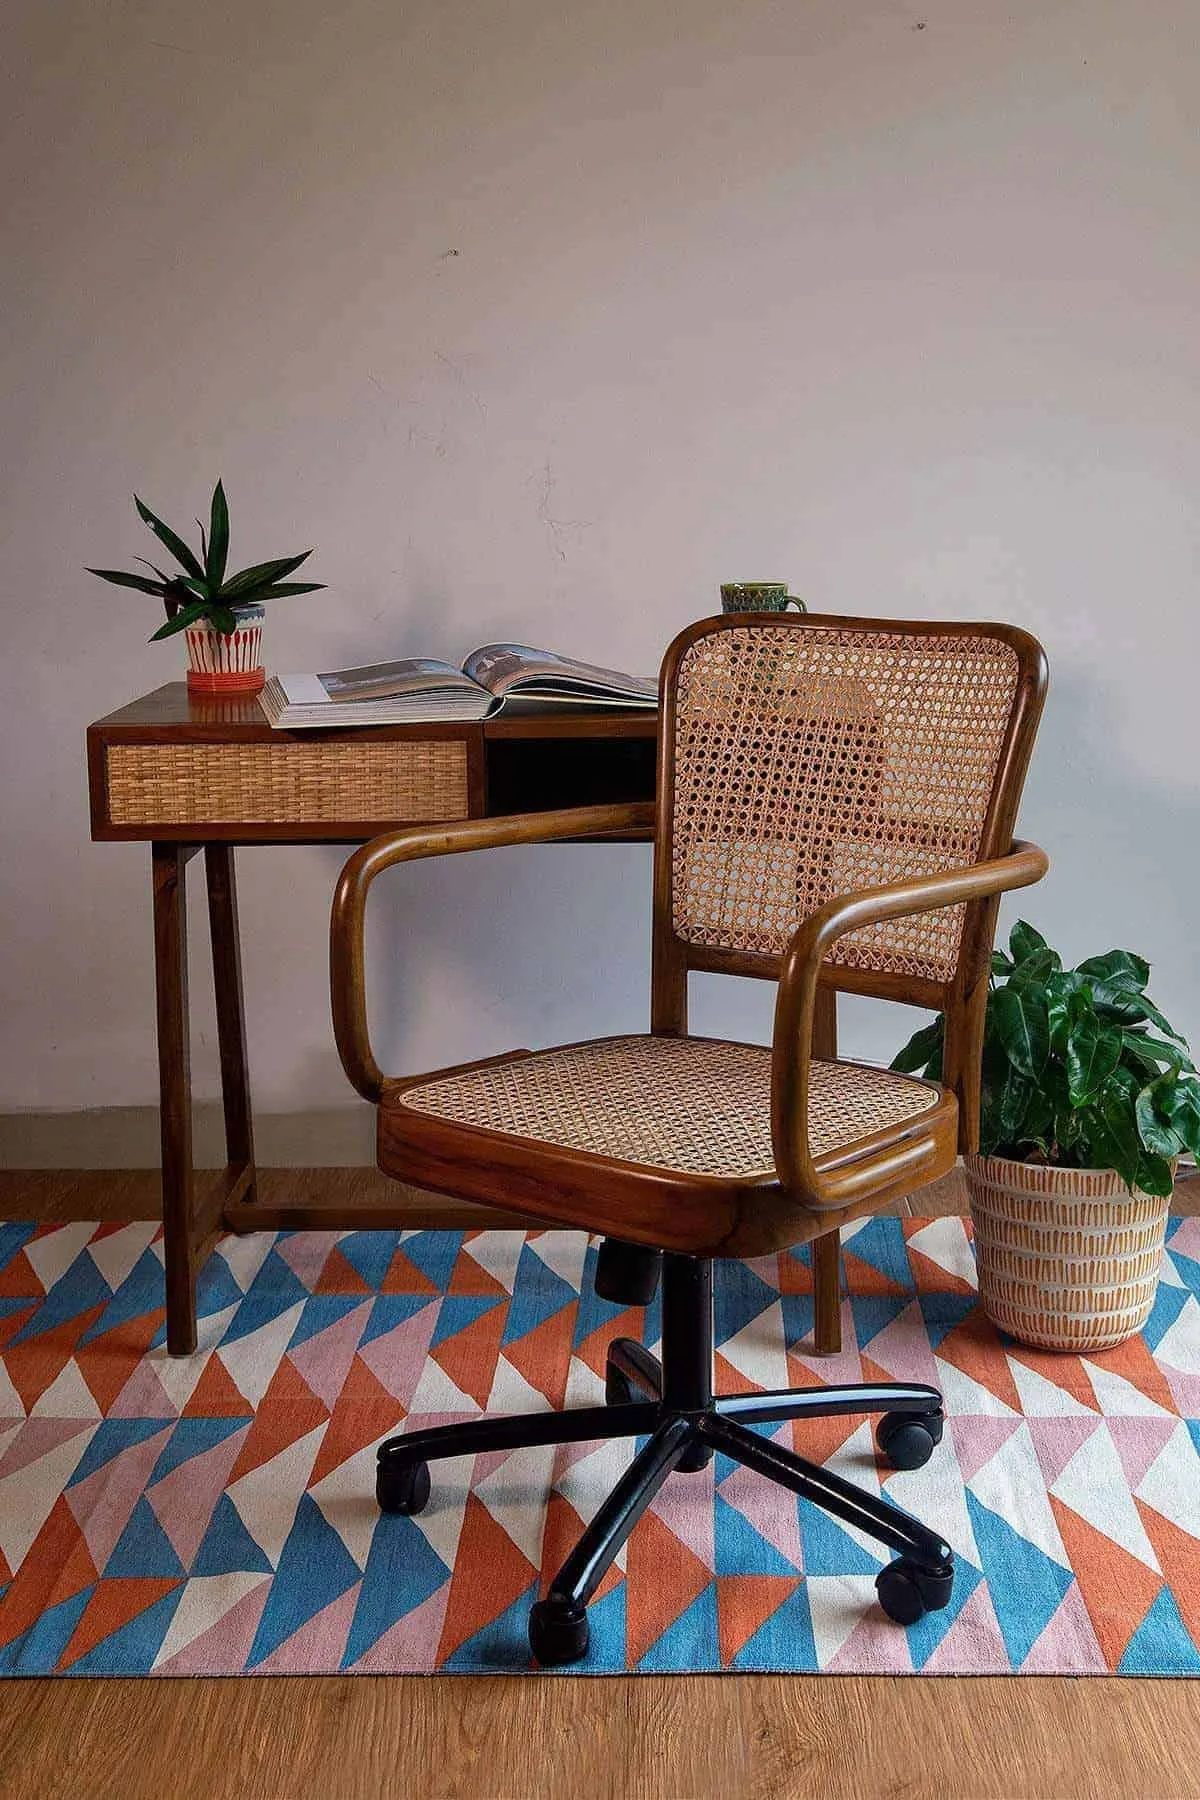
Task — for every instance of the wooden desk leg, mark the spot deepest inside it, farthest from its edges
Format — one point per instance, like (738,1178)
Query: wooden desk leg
(827,1250)
(231,1023)
(168,865)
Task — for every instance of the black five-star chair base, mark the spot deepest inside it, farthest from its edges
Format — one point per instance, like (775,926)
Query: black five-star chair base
(673,1406)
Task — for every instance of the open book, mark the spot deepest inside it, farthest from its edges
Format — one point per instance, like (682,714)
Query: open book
(417,689)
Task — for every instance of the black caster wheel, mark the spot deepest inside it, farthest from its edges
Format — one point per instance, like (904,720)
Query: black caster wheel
(907,1591)
(618,1390)
(627,1274)
(697,1458)
(402,1487)
(908,1440)
(558,1632)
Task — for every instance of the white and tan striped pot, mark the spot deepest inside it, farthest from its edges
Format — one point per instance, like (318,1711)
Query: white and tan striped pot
(227,665)
(1068,1258)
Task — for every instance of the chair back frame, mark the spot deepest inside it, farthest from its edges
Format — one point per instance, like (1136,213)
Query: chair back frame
(962,997)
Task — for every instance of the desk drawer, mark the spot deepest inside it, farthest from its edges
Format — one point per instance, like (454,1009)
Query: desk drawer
(291,783)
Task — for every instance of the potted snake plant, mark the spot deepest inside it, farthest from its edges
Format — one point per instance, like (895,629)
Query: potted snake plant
(1089,1097)
(220,615)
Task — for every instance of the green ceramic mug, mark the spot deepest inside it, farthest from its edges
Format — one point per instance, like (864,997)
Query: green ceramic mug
(758,596)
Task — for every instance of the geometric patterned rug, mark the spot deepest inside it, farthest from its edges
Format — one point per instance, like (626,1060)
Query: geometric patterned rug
(215,1514)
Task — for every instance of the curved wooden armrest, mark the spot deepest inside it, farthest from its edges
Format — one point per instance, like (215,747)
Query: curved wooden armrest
(410,843)
(791,1051)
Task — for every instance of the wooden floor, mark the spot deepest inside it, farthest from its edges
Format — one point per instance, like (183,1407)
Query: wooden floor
(586,1738)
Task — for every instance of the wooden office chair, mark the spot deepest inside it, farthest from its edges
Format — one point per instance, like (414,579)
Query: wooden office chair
(836,800)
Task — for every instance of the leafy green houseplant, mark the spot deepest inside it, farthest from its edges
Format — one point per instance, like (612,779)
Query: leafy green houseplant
(220,613)
(1088,1098)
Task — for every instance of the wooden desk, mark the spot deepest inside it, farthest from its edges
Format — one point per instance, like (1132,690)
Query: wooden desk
(184,774)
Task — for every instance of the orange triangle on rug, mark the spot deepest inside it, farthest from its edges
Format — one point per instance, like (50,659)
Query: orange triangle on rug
(1118,1589)
(744,1603)
(489,1574)
(469,1356)
(663,1577)
(365,1412)
(114,1603)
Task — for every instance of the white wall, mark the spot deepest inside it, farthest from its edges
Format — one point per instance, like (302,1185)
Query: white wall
(539,321)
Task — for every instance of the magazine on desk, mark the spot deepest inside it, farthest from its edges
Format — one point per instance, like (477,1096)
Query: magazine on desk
(508,677)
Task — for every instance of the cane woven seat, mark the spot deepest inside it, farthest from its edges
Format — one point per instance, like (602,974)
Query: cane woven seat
(696,1106)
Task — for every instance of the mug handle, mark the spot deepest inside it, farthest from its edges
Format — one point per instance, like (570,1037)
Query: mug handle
(795,600)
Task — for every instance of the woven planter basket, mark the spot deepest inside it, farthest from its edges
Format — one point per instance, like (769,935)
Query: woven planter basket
(1068,1258)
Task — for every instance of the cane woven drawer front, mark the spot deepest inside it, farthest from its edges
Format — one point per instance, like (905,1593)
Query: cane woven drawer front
(697,1105)
(278,784)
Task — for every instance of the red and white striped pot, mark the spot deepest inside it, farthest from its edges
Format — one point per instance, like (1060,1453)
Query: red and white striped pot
(227,665)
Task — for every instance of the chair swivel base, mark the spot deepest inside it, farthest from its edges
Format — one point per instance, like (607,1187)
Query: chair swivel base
(673,1407)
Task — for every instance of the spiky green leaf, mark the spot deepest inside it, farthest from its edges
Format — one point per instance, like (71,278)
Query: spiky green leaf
(120,578)
(185,557)
(261,575)
(217,551)
(187,615)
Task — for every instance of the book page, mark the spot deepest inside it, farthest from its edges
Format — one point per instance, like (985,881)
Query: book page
(506,668)
(383,681)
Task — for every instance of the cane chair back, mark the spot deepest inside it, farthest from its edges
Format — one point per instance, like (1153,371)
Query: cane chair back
(806,759)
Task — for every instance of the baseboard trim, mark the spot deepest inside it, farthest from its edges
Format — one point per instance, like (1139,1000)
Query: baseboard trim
(126,1137)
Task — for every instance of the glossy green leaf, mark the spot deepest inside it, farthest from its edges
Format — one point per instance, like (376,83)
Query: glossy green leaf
(1151,1052)
(279,589)
(1023,1027)
(185,557)
(222,618)
(1155,1175)
(1151,1111)
(923,1051)
(217,549)
(260,575)
(121,578)
(1024,941)
(1037,969)
(1092,1050)
(1183,1111)
(187,615)
(1121,967)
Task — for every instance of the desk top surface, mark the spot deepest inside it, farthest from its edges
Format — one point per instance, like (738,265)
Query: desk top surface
(172,713)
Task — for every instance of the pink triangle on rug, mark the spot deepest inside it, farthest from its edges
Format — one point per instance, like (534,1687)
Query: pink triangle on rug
(1185,1390)
(1057,1439)
(410,1646)
(306,1253)
(36,1438)
(397,1357)
(184,1501)
(902,1348)
(974,1644)
(103,1501)
(1068,1644)
(978,1437)
(1186,1238)
(1139,1440)
(685,1504)
(874,1647)
(224,1647)
(770,1510)
(324,1359)
(143,1396)
(319,1645)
